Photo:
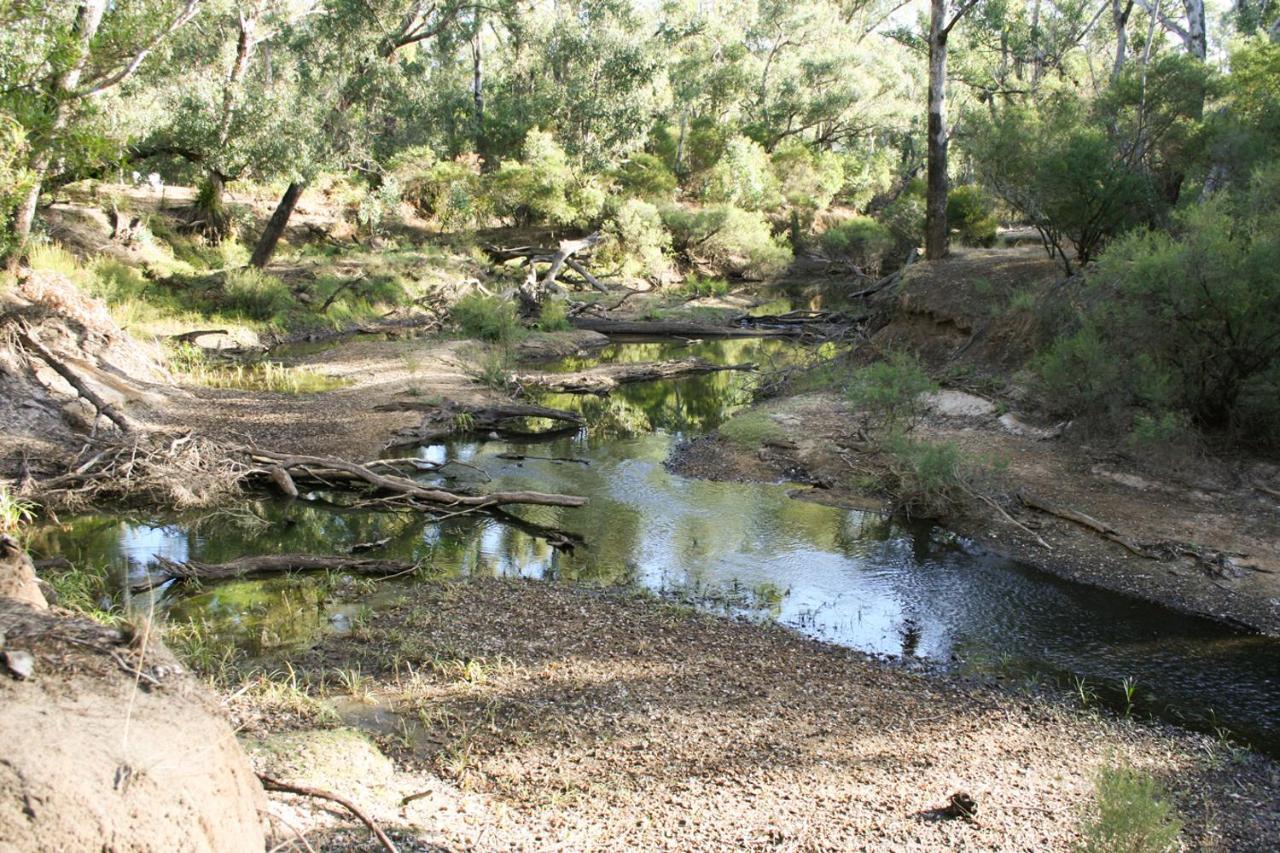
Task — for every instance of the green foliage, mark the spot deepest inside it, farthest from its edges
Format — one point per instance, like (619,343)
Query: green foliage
(972,214)
(646,176)
(255,376)
(743,177)
(635,241)
(863,241)
(487,318)
(1245,133)
(808,180)
(696,285)
(736,242)
(904,217)
(256,295)
(542,189)
(889,390)
(15,178)
(926,479)
(14,512)
(1132,815)
(1187,321)
(554,317)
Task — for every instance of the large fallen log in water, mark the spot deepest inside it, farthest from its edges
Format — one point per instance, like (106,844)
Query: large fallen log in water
(606,377)
(325,470)
(440,422)
(273,564)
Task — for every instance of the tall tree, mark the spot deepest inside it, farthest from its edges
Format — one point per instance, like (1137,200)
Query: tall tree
(941,22)
(81,52)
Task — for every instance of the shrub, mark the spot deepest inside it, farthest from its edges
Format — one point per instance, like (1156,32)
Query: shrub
(542,189)
(743,177)
(15,178)
(635,241)
(736,242)
(862,241)
(646,176)
(449,192)
(808,180)
(487,318)
(890,390)
(255,295)
(554,317)
(926,479)
(1186,321)
(904,217)
(1132,815)
(972,214)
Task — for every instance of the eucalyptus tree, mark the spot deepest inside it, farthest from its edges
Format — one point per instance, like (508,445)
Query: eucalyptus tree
(61,61)
(942,20)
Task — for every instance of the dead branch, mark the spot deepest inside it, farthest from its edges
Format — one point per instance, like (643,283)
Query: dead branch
(273,564)
(272,784)
(666,329)
(189,337)
(441,422)
(320,467)
(607,377)
(27,336)
(1086,521)
(520,457)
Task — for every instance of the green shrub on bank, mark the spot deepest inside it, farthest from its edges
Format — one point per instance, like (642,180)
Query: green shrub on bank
(1132,815)
(645,176)
(926,479)
(1182,322)
(743,177)
(735,242)
(972,215)
(808,180)
(890,391)
(256,295)
(487,318)
(450,192)
(635,241)
(554,317)
(863,242)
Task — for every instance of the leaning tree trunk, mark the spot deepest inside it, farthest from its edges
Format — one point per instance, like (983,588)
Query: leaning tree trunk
(1120,19)
(266,246)
(935,228)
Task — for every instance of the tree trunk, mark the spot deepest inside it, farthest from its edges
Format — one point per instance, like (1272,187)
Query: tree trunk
(1120,20)
(88,21)
(936,232)
(477,93)
(266,246)
(1197,41)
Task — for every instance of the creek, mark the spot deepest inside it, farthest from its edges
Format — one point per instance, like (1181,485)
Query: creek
(912,593)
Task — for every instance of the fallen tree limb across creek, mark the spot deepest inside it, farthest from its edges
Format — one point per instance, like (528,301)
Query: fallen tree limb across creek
(607,377)
(272,564)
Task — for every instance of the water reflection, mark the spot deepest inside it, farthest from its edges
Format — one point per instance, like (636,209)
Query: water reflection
(844,576)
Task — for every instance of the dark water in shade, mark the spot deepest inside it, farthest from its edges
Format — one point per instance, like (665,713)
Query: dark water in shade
(847,577)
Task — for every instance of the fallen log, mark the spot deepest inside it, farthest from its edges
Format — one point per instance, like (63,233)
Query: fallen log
(442,422)
(521,457)
(607,377)
(674,329)
(27,337)
(315,468)
(273,564)
(1087,521)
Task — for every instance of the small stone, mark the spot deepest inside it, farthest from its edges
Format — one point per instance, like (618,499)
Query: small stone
(21,665)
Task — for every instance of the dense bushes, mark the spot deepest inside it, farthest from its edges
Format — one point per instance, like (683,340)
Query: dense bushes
(972,215)
(862,241)
(636,243)
(743,177)
(734,241)
(1183,322)
(487,318)
(14,178)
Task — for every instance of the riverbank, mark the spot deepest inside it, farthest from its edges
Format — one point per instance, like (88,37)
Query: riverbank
(529,714)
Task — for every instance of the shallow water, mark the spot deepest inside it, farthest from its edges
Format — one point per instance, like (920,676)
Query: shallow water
(843,576)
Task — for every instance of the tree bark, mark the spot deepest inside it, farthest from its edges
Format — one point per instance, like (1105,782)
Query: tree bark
(936,237)
(266,247)
(1120,20)
(1197,40)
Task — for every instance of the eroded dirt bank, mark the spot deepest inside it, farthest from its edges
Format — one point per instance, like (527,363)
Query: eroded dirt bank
(518,714)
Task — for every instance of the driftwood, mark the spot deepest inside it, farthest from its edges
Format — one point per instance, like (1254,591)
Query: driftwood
(442,422)
(607,377)
(190,337)
(1087,521)
(325,470)
(274,564)
(520,457)
(28,339)
(272,784)
(346,285)
(674,329)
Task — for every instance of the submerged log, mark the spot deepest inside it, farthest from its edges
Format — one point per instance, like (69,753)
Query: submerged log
(607,377)
(441,422)
(273,564)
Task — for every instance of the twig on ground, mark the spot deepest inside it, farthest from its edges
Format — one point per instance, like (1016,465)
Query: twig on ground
(272,784)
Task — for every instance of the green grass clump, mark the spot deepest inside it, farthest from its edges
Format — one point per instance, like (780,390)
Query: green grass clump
(890,390)
(926,479)
(1132,815)
(257,376)
(14,512)
(554,317)
(696,285)
(751,429)
(254,294)
(487,318)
